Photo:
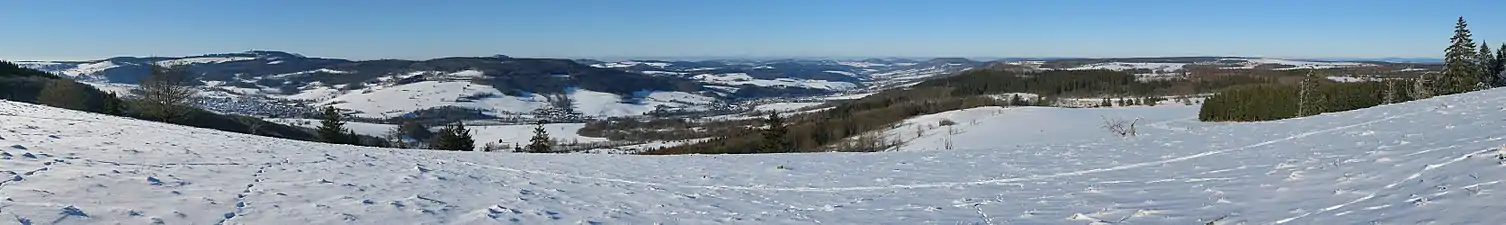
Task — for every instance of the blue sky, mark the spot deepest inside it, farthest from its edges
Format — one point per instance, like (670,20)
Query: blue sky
(94,29)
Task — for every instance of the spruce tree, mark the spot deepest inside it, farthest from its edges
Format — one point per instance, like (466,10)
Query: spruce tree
(443,138)
(1498,66)
(1460,73)
(454,137)
(331,128)
(1487,61)
(461,138)
(1015,100)
(774,136)
(540,143)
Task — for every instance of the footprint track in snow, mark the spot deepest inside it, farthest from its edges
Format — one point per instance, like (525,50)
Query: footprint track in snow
(240,198)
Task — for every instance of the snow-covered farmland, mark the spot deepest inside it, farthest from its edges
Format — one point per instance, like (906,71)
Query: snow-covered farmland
(736,79)
(389,101)
(509,135)
(1159,67)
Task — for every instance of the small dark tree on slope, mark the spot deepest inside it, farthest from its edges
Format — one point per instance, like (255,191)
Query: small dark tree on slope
(774,136)
(540,143)
(331,128)
(1015,100)
(454,137)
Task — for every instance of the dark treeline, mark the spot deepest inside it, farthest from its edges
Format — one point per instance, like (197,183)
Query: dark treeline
(828,130)
(1465,69)
(1085,83)
(1280,101)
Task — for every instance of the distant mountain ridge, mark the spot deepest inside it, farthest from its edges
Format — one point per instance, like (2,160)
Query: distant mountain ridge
(497,85)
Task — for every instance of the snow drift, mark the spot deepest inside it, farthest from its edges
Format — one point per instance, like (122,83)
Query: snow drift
(1428,161)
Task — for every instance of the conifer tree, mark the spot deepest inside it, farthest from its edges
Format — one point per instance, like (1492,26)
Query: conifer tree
(774,139)
(1015,100)
(462,138)
(454,137)
(331,128)
(1460,72)
(443,138)
(540,143)
(1487,62)
(1498,66)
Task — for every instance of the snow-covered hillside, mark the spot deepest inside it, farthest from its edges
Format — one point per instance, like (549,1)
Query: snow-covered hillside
(77,70)
(389,101)
(738,79)
(1433,161)
(510,135)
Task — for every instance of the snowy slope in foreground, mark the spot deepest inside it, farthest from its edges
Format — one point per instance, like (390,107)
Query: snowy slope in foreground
(1417,162)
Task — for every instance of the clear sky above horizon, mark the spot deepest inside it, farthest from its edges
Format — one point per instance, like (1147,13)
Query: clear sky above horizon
(94,29)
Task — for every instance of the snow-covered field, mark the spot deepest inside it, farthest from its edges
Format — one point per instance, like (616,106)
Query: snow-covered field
(505,134)
(1424,162)
(521,134)
(389,101)
(736,79)
(1158,67)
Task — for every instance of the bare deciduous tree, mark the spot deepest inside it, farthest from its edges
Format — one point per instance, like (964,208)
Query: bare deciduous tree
(165,95)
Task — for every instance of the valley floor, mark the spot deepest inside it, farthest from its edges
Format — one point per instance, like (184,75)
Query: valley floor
(1429,161)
